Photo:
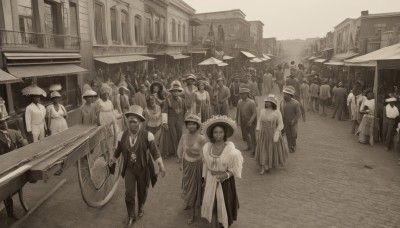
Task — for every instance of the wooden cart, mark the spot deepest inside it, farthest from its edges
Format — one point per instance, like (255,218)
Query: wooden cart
(89,146)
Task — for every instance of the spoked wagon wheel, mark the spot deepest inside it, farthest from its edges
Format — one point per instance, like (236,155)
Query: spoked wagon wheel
(97,184)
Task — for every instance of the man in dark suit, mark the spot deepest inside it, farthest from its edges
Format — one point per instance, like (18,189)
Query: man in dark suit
(138,168)
(9,141)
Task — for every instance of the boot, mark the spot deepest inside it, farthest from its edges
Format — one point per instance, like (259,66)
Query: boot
(130,207)
(141,211)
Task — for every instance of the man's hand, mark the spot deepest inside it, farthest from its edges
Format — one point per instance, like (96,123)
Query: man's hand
(162,169)
(249,123)
(165,126)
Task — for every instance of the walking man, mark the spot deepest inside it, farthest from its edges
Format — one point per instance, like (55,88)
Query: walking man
(390,113)
(305,94)
(324,95)
(138,168)
(291,113)
(314,92)
(246,117)
(222,98)
(340,102)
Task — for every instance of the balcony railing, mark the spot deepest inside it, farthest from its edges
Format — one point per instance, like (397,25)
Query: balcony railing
(30,39)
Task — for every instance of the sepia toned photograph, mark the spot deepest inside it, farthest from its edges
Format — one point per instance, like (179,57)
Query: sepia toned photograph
(199,113)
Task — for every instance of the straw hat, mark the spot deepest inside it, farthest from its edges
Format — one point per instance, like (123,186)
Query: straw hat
(89,93)
(34,90)
(55,87)
(124,88)
(55,94)
(135,110)
(391,99)
(106,89)
(244,90)
(289,90)
(271,98)
(219,121)
(3,116)
(176,85)
(191,76)
(193,118)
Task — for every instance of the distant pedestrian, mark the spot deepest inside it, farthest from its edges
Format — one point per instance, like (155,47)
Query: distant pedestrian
(291,113)
(390,113)
(271,149)
(314,93)
(56,115)
(152,113)
(280,78)
(190,153)
(203,101)
(247,119)
(340,102)
(223,96)
(324,96)
(122,100)
(368,122)
(88,111)
(234,89)
(305,94)
(140,97)
(35,114)
(267,83)
(355,102)
(222,164)
(190,93)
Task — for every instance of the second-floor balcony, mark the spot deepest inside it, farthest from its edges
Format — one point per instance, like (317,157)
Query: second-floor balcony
(9,38)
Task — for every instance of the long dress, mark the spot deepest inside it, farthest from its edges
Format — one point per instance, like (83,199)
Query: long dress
(105,111)
(57,122)
(192,166)
(268,152)
(366,128)
(224,192)
(88,114)
(153,121)
(203,105)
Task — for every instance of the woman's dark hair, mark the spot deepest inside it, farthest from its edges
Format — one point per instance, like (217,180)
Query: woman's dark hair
(212,132)
(272,105)
(198,125)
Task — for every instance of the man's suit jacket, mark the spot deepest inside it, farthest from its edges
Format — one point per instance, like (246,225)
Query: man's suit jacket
(16,141)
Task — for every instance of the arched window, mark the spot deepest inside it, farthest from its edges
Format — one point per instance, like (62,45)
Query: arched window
(124,27)
(138,30)
(99,26)
(173,30)
(179,32)
(113,18)
(184,32)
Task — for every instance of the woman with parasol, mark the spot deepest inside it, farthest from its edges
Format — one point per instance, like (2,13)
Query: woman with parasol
(35,113)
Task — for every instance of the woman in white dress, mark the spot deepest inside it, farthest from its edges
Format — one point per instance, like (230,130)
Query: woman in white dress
(105,113)
(222,163)
(56,114)
(203,103)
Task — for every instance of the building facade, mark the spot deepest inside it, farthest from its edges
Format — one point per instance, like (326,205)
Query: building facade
(40,44)
(226,32)
(269,46)
(256,37)
(345,37)
(378,31)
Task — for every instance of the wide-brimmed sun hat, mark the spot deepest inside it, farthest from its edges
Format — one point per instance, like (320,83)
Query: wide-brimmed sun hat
(135,110)
(391,99)
(55,87)
(271,98)
(55,94)
(34,90)
(244,90)
(176,86)
(289,90)
(124,88)
(193,118)
(4,116)
(191,76)
(89,93)
(225,121)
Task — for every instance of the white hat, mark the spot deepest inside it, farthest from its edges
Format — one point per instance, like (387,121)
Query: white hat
(392,99)
(55,94)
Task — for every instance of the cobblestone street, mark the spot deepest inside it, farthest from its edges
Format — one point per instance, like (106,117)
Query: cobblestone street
(325,184)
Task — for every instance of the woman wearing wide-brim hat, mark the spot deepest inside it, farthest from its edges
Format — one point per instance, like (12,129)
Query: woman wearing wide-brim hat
(88,112)
(56,114)
(35,113)
(271,150)
(173,114)
(222,164)
(203,101)
(189,152)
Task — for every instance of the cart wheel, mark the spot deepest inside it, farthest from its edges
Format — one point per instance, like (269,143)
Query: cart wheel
(22,200)
(97,184)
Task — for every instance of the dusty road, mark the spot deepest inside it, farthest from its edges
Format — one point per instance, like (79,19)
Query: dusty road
(324,184)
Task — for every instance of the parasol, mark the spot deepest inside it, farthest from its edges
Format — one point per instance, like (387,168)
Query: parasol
(33,90)
(222,64)
(210,61)
(251,68)
(55,87)
(227,57)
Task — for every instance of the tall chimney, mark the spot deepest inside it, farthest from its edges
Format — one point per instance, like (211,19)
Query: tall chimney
(364,13)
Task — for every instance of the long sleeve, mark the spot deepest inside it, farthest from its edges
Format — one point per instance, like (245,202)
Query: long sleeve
(235,163)
(28,119)
(254,111)
(280,121)
(118,103)
(181,146)
(298,111)
(238,112)
(155,153)
(20,139)
(118,150)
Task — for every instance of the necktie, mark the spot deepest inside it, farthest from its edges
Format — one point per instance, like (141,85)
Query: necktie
(8,139)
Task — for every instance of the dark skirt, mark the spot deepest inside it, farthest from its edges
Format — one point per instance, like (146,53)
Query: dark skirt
(231,199)
(191,183)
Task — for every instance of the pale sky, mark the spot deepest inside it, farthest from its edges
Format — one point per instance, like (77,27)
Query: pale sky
(291,19)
